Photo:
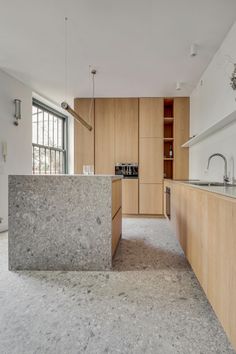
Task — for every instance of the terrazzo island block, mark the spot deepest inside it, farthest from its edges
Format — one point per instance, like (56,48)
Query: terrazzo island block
(65,222)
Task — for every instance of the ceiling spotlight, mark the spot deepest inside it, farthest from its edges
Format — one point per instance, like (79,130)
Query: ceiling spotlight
(193,50)
(178,86)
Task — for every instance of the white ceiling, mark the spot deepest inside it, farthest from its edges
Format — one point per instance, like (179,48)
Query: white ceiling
(140,47)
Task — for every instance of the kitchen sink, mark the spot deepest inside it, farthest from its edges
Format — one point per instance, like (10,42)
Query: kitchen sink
(213,184)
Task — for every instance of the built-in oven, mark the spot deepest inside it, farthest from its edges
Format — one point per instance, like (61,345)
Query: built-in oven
(168,202)
(127,170)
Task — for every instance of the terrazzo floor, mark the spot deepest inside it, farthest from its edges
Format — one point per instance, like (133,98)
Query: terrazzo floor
(150,303)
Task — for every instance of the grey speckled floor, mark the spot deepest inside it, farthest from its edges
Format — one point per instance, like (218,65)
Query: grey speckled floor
(150,303)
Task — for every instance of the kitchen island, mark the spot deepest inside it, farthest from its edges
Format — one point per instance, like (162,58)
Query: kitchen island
(63,222)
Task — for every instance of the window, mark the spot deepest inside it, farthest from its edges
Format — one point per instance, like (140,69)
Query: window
(49,129)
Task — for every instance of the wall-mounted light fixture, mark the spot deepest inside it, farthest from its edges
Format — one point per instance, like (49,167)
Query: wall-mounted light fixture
(17,114)
(233,78)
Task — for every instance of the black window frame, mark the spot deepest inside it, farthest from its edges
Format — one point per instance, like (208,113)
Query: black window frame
(45,108)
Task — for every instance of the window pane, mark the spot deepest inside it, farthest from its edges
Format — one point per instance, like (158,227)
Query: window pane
(45,116)
(60,133)
(50,142)
(55,132)
(35,128)
(40,127)
(48,155)
(36,160)
(47,170)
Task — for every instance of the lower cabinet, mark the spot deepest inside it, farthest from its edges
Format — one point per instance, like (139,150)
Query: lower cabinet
(205,225)
(116,231)
(130,196)
(151,199)
(116,214)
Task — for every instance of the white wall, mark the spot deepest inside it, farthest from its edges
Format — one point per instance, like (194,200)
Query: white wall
(18,138)
(212,100)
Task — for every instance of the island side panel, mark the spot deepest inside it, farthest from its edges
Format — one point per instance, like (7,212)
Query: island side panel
(60,223)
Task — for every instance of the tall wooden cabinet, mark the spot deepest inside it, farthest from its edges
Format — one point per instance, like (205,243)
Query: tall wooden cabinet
(126,130)
(84,139)
(150,155)
(181,135)
(135,130)
(104,136)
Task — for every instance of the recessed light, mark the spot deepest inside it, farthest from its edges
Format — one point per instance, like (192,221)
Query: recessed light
(178,86)
(193,50)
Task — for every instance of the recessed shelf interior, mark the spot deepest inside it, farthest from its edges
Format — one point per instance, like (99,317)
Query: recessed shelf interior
(168,169)
(168,146)
(168,135)
(168,107)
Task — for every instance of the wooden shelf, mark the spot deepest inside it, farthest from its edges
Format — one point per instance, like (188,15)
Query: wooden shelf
(211,130)
(168,120)
(168,139)
(168,158)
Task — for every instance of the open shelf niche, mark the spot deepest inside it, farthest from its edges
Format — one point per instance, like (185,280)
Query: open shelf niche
(168,139)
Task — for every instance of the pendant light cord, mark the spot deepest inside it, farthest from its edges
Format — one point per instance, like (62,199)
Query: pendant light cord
(93,72)
(66,59)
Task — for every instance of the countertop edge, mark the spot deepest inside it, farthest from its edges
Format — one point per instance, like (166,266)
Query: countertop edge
(207,189)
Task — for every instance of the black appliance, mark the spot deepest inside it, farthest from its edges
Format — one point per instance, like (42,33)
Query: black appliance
(168,201)
(127,170)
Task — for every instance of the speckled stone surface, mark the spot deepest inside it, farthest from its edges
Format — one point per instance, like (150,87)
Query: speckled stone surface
(151,303)
(60,222)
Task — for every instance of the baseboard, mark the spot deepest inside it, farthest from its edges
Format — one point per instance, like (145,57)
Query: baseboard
(146,216)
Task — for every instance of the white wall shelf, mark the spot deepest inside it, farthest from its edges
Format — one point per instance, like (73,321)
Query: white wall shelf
(211,130)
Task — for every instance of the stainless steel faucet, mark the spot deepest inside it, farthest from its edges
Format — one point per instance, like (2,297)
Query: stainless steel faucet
(226,178)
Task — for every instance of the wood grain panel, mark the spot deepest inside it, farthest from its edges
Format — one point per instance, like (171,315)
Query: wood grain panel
(116,231)
(116,196)
(151,199)
(181,135)
(83,138)
(104,136)
(150,160)
(207,221)
(126,130)
(151,117)
(130,196)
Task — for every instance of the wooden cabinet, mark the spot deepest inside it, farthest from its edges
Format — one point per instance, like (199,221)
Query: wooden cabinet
(150,155)
(130,196)
(104,136)
(116,214)
(150,160)
(83,138)
(126,130)
(135,130)
(151,117)
(205,224)
(181,135)
(150,199)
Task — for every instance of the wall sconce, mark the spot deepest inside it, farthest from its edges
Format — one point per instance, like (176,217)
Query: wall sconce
(17,114)
(233,79)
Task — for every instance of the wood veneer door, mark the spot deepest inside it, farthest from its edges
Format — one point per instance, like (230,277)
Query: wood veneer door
(126,130)
(221,261)
(104,136)
(130,196)
(150,160)
(151,199)
(83,138)
(181,135)
(151,117)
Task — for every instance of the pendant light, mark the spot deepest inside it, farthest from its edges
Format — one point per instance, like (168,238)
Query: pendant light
(64,104)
